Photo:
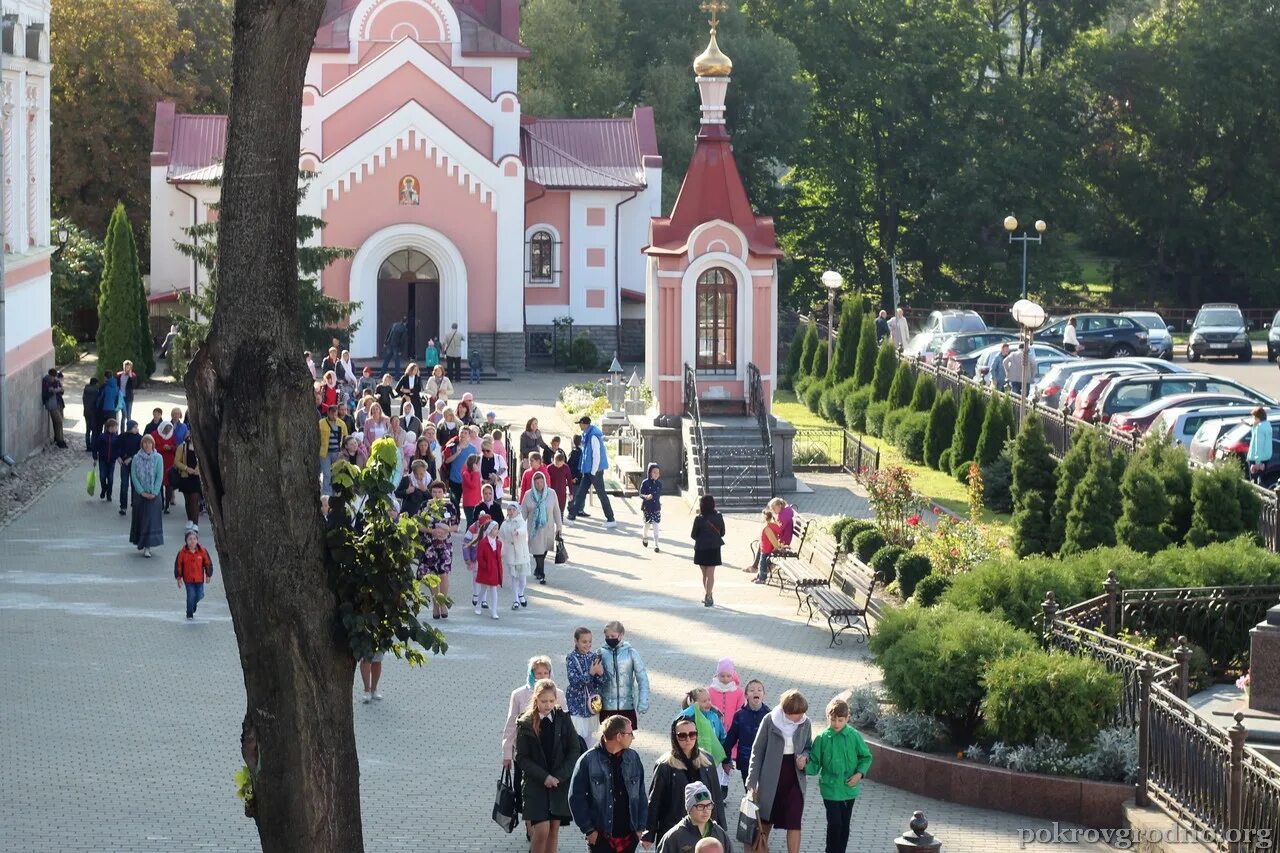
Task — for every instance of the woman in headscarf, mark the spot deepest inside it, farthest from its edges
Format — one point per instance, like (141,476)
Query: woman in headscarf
(493,467)
(437,412)
(465,411)
(547,747)
(347,376)
(542,514)
(146,529)
(409,418)
(167,446)
(490,505)
(539,669)
(515,553)
(414,490)
(681,765)
(422,452)
(328,393)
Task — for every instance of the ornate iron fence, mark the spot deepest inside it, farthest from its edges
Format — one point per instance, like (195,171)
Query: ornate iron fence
(833,449)
(756,405)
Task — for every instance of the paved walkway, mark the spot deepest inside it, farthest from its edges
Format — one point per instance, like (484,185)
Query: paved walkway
(121,719)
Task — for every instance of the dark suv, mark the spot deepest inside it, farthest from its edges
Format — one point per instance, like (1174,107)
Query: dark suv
(1219,329)
(1101,335)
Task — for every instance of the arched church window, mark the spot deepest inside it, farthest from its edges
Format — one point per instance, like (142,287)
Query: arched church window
(541,256)
(409,264)
(717,320)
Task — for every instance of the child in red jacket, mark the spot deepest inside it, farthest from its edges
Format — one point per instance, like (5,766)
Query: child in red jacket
(471,483)
(193,568)
(489,568)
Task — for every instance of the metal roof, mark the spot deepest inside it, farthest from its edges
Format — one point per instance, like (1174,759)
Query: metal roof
(599,153)
(199,144)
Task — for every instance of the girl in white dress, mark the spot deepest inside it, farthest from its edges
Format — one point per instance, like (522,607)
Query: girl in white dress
(516,560)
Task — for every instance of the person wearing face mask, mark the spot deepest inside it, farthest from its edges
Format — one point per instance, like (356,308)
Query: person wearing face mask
(776,778)
(547,748)
(626,681)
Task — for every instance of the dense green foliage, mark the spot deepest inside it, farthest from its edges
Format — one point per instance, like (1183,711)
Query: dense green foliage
(1145,509)
(1223,505)
(925,391)
(75,273)
(886,367)
(850,532)
(1032,488)
(855,409)
(865,369)
(934,660)
(910,436)
(904,385)
(1037,693)
(885,562)
(806,353)
(941,428)
(964,441)
(847,334)
(930,588)
(1091,522)
(912,568)
(1070,471)
(787,381)
(120,298)
(875,417)
(867,543)
(66,348)
(997,427)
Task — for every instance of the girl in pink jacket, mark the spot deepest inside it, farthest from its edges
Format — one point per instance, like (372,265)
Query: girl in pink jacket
(726,692)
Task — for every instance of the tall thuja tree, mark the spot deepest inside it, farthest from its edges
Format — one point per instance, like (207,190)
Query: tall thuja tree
(1170,464)
(1145,508)
(904,385)
(119,297)
(865,369)
(942,424)
(964,441)
(1070,472)
(997,426)
(818,367)
(1223,506)
(806,354)
(794,353)
(1091,522)
(320,315)
(886,365)
(846,354)
(925,391)
(1032,488)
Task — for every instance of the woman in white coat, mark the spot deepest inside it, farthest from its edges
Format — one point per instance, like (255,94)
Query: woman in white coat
(542,512)
(516,561)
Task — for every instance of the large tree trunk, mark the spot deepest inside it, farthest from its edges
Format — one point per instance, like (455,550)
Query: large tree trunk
(253,417)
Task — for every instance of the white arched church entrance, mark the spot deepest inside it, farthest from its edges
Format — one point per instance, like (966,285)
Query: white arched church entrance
(368,261)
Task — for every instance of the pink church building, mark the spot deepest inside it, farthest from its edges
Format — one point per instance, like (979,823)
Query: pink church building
(460,208)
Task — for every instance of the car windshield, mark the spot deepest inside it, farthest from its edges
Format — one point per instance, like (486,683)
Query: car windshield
(1220,317)
(1150,321)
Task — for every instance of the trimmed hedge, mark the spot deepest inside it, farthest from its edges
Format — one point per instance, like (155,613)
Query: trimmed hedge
(885,562)
(911,569)
(1036,693)
(875,417)
(851,531)
(930,589)
(867,543)
(855,409)
(910,435)
(892,420)
(813,395)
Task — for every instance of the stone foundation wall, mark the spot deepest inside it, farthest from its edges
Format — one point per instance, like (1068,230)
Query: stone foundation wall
(27,423)
(632,341)
(604,337)
(503,351)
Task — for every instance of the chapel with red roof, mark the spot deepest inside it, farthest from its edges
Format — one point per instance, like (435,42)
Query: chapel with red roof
(460,208)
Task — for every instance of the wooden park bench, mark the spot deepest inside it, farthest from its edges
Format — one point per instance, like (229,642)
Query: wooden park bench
(814,568)
(845,604)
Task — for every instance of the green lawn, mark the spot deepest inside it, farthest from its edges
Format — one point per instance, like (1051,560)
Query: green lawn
(935,485)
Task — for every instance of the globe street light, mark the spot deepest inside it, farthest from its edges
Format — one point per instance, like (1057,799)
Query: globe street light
(1011,225)
(832,281)
(1029,316)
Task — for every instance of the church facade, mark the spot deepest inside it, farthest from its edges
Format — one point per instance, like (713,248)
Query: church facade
(460,209)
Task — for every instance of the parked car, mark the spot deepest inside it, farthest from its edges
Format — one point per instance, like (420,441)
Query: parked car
(1181,424)
(1058,384)
(1273,338)
(1234,444)
(1047,356)
(954,320)
(1128,392)
(1206,438)
(1159,338)
(959,349)
(1100,335)
(1142,417)
(1219,329)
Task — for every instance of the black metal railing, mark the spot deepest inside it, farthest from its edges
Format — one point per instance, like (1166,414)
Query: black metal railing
(758,406)
(691,409)
(833,449)
(732,472)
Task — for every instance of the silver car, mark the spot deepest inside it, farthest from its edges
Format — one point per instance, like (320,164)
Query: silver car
(1158,336)
(1058,385)
(1181,424)
(1204,442)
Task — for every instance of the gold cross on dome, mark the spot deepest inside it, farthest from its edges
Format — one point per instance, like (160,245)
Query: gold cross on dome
(714,8)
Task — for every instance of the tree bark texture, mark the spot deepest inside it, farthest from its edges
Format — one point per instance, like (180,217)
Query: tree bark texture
(253,416)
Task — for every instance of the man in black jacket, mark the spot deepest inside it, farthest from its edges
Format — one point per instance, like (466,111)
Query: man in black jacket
(129,443)
(89,399)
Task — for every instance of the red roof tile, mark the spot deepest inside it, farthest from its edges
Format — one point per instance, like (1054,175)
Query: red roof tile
(712,189)
(598,153)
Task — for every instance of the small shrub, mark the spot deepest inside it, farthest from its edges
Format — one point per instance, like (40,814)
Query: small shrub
(66,348)
(813,396)
(997,478)
(910,436)
(875,417)
(944,460)
(851,531)
(855,409)
(911,568)
(892,420)
(839,525)
(912,730)
(1114,757)
(893,625)
(800,386)
(925,391)
(938,667)
(1060,695)
(867,543)
(1223,505)
(930,588)
(584,353)
(885,561)
(1145,512)
(864,707)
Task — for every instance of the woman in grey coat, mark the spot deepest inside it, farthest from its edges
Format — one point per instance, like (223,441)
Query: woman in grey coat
(542,513)
(776,779)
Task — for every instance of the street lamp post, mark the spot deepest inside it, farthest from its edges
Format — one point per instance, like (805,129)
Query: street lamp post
(1029,316)
(832,281)
(1011,225)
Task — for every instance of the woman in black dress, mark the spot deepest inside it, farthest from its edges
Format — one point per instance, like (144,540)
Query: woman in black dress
(547,747)
(708,537)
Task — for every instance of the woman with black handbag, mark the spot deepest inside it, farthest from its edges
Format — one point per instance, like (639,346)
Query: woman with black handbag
(547,747)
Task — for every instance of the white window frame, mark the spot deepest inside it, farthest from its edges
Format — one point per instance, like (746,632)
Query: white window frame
(556,245)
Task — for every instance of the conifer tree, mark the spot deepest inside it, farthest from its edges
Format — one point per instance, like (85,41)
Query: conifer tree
(922,397)
(818,367)
(846,354)
(1223,506)
(1145,509)
(997,424)
(1070,471)
(794,353)
(1170,464)
(119,297)
(904,385)
(964,441)
(942,425)
(1031,488)
(886,366)
(865,369)
(806,352)
(1091,522)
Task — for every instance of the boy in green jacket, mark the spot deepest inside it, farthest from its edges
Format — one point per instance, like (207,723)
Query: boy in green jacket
(841,758)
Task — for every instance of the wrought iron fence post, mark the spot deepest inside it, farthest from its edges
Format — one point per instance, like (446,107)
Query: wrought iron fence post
(1182,654)
(1050,607)
(1111,585)
(1235,791)
(1145,673)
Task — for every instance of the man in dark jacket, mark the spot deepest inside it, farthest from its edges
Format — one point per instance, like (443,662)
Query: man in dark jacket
(157,418)
(129,443)
(607,793)
(393,343)
(51,399)
(882,326)
(746,723)
(697,824)
(89,399)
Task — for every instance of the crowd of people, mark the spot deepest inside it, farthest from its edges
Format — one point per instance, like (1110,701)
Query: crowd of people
(571,752)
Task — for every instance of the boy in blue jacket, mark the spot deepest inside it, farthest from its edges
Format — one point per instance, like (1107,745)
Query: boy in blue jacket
(742,733)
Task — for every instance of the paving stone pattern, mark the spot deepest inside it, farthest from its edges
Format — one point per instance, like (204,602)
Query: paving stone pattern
(119,722)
